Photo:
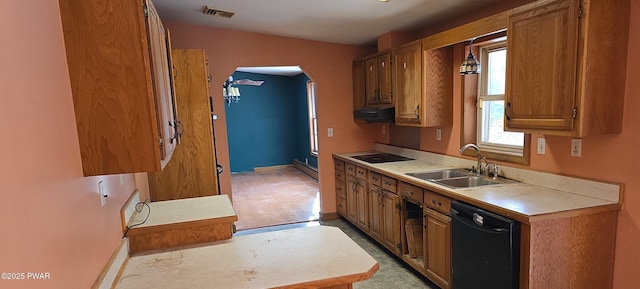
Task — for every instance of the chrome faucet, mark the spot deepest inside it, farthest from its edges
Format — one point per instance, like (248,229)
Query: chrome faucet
(478,154)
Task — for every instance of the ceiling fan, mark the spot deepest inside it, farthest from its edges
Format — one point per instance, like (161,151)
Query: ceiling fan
(231,81)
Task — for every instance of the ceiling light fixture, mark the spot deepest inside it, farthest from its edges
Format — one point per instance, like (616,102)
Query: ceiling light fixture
(471,65)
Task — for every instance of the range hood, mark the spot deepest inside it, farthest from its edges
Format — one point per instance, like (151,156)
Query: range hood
(375,114)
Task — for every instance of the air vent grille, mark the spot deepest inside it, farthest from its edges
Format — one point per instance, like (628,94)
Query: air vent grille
(217,12)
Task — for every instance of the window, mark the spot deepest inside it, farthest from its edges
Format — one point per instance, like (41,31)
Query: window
(483,104)
(313,120)
(490,104)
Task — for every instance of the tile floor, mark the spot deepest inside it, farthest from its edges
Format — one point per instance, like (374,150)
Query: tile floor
(274,197)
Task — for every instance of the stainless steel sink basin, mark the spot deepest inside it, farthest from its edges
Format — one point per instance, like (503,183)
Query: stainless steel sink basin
(466,182)
(438,175)
(458,178)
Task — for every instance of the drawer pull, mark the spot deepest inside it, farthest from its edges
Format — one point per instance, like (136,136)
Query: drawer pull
(439,204)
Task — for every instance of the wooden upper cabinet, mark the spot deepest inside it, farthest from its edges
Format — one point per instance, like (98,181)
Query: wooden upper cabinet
(359,89)
(378,79)
(121,84)
(566,67)
(407,76)
(437,88)
(192,170)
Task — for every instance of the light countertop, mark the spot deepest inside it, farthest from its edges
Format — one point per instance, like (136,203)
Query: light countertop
(309,257)
(521,200)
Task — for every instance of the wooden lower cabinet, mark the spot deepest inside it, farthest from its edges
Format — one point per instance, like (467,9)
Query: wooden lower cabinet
(362,204)
(437,247)
(376,209)
(352,211)
(391,232)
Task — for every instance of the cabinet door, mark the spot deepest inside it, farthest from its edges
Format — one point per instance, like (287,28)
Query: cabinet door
(371,80)
(391,222)
(377,212)
(385,95)
(192,170)
(162,83)
(407,77)
(362,204)
(437,239)
(352,209)
(359,96)
(542,46)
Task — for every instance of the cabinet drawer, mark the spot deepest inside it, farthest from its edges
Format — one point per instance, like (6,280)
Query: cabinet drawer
(361,173)
(375,178)
(437,202)
(350,168)
(339,165)
(389,184)
(340,175)
(341,189)
(341,204)
(411,192)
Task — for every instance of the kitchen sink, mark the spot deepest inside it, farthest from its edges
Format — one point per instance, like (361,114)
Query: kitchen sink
(458,178)
(438,175)
(466,182)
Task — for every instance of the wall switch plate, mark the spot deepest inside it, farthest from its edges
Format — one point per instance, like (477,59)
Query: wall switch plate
(102,193)
(330,132)
(576,147)
(542,146)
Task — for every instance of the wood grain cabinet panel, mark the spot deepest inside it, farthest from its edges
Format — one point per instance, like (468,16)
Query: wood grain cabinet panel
(407,85)
(437,244)
(391,222)
(376,210)
(378,79)
(566,67)
(121,82)
(192,171)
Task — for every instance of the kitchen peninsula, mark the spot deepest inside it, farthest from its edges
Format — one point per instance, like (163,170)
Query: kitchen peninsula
(309,257)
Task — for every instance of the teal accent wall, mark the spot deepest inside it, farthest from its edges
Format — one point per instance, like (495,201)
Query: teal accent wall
(269,125)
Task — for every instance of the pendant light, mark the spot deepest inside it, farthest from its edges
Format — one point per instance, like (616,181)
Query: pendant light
(471,65)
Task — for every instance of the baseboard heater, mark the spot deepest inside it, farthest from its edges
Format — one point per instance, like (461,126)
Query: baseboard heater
(306,168)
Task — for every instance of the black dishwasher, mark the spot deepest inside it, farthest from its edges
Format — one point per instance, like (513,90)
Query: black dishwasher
(485,249)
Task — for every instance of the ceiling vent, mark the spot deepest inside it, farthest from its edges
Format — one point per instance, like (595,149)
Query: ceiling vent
(217,12)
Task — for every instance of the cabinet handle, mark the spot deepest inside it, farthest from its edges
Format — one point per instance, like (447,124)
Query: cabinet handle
(507,108)
(209,78)
(175,72)
(418,111)
(383,64)
(404,65)
(439,204)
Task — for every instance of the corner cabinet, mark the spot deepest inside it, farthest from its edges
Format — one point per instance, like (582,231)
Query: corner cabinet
(359,85)
(566,67)
(423,85)
(118,55)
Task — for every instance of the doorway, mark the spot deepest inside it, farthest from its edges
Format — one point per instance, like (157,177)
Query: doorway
(269,128)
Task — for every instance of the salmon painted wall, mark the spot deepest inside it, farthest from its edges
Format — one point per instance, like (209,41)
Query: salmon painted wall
(329,65)
(613,158)
(50,215)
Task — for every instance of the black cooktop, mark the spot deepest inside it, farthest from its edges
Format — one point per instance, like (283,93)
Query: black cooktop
(381,158)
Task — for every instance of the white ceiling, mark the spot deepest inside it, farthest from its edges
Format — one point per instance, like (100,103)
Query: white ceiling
(337,21)
(354,22)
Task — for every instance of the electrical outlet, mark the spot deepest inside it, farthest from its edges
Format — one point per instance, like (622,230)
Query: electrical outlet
(330,132)
(576,147)
(438,134)
(542,143)
(102,193)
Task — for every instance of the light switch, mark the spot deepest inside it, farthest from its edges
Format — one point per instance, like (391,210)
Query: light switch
(330,132)
(542,144)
